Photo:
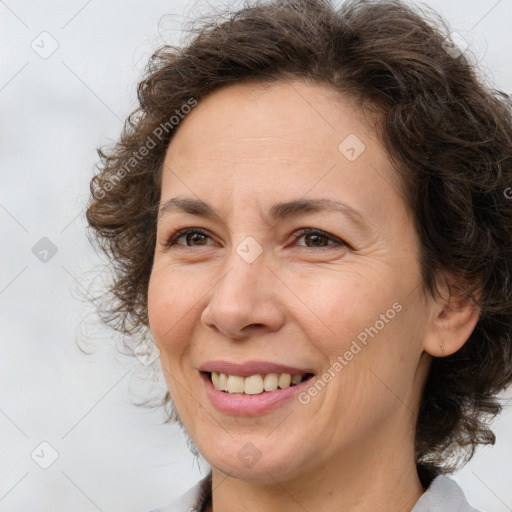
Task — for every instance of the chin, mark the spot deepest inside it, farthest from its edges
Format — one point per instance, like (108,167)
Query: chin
(256,461)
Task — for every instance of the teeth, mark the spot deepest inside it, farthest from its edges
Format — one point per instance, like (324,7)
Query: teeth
(271,381)
(255,384)
(296,379)
(285,380)
(216,380)
(223,382)
(235,384)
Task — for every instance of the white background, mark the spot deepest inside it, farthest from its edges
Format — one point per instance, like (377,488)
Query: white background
(113,456)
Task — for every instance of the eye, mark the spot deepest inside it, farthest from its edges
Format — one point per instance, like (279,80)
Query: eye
(315,237)
(200,236)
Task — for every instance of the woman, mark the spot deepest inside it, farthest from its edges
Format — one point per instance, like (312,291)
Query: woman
(308,213)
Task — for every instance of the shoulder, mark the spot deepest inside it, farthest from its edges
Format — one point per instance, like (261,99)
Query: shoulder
(192,500)
(443,495)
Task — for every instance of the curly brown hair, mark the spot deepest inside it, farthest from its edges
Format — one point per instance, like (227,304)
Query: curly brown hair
(448,133)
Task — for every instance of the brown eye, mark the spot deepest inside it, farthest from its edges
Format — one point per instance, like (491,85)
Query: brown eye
(314,238)
(192,236)
(317,238)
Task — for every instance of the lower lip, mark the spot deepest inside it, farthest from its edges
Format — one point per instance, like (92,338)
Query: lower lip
(250,405)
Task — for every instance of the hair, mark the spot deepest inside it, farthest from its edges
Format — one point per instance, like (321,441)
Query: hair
(447,133)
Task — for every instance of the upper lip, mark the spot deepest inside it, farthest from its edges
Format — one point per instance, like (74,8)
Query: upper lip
(252,368)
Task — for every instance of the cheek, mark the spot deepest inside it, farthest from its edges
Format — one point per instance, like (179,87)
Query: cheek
(169,303)
(335,307)
(167,311)
(364,328)
(158,307)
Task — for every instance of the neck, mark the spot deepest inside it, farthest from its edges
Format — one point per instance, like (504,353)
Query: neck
(380,477)
(370,495)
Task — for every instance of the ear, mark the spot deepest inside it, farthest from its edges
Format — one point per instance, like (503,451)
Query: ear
(452,319)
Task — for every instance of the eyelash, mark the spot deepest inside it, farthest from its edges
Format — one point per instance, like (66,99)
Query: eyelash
(304,231)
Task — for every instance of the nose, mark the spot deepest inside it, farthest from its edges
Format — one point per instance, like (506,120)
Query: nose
(244,301)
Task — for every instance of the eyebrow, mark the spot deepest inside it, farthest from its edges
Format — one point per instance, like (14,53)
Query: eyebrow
(277,211)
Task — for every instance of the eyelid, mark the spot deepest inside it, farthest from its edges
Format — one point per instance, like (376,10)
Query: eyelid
(298,233)
(315,231)
(185,231)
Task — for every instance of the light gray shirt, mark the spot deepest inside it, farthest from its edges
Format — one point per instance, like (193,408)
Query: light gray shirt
(443,495)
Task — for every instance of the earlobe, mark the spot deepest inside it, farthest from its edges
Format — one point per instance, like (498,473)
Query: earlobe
(452,322)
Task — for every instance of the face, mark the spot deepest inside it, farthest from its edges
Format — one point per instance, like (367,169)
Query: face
(248,293)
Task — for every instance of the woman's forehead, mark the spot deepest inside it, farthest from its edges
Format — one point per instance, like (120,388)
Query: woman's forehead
(245,120)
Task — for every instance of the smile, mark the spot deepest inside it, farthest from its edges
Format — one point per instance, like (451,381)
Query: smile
(252,388)
(255,384)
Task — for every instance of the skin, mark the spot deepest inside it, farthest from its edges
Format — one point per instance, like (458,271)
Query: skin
(301,302)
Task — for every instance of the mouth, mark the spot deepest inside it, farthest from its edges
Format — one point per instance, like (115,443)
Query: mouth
(255,384)
(253,387)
